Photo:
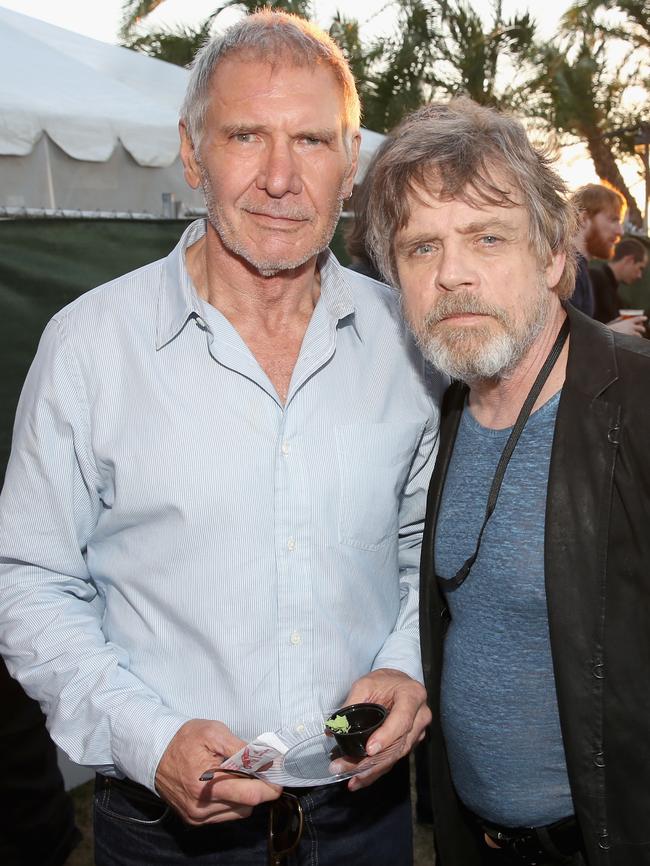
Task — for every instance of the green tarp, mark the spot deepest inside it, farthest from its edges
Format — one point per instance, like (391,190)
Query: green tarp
(45,264)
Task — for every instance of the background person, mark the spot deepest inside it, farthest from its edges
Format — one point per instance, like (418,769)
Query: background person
(534,613)
(600,224)
(627,265)
(213,510)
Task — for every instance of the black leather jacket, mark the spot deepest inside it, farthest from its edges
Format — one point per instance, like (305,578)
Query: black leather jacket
(597,565)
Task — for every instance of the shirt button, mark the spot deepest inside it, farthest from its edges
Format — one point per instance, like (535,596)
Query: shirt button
(291,544)
(300,729)
(295,638)
(286,448)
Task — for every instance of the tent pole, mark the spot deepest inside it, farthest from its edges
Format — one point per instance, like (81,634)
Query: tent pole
(48,172)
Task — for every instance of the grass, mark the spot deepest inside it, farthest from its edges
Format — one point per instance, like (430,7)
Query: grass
(82,797)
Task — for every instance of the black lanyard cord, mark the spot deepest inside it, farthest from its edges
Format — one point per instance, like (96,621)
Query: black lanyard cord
(452,583)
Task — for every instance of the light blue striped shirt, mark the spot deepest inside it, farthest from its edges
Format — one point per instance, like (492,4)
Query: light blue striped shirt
(176,544)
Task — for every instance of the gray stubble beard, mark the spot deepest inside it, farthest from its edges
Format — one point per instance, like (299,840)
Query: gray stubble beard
(228,235)
(474,353)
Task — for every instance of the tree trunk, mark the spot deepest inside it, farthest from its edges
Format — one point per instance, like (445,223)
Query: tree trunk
(607,170)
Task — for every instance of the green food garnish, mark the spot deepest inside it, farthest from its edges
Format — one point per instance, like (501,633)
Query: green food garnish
(338,725)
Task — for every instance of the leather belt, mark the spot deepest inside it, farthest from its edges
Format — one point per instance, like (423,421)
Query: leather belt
(536,845)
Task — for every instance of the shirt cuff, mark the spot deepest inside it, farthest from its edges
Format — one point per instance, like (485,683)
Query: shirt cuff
(401,653)
(141,733)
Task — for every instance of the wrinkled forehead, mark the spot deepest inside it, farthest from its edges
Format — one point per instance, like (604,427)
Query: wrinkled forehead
(483,200)
(276,65)
(490,185)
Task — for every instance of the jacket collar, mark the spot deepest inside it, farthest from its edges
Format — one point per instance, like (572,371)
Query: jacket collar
(591,366)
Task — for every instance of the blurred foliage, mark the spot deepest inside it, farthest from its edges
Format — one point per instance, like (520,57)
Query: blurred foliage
(574,86)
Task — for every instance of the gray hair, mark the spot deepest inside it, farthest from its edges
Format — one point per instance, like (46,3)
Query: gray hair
(273,37)
(459,146)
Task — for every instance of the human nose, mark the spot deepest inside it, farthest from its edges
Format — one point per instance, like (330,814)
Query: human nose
(279,174)
(454,270)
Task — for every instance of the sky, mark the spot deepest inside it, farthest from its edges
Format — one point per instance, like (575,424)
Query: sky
(100,19)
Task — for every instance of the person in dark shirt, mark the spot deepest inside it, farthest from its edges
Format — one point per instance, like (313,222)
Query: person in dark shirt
(629,261)
(600,213)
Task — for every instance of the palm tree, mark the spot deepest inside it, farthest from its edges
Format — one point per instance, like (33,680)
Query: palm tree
(133,11)
(580,95)
(439,48)
(396,80)
(586,14)
(468,58)
(179,45)
(578,98)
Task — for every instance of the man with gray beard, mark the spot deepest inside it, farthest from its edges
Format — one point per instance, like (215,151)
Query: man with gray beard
(535,563)
(213,512)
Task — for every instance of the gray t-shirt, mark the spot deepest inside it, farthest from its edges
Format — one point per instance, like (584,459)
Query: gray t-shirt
(499,706)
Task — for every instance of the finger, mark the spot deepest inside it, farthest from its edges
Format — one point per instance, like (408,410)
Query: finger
(245,792)
(369,777)
(404,728)
(358,694)
(398,724)
(217,813)
(344,765)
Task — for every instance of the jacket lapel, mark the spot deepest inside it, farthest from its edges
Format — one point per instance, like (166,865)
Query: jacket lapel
(577,529)
(430,602)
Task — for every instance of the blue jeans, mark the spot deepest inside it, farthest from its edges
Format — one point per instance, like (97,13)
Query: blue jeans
(133,827)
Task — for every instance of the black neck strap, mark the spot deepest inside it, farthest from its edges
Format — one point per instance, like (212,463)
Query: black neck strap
(452,583)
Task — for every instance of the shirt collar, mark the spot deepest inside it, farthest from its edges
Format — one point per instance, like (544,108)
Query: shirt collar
(336,290)
(178,300)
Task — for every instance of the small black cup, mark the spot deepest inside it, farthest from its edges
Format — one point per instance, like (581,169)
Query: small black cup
(363,720)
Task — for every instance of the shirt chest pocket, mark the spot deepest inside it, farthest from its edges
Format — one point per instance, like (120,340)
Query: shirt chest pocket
(374,462)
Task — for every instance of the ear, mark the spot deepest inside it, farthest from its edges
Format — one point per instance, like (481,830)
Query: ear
(191,169)
(351,172)
(554,269)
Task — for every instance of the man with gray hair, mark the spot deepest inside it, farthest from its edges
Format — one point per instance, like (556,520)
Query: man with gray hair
(213,511)
(535,561)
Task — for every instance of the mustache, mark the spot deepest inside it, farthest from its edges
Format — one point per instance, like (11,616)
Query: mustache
(284,211)
(458,303)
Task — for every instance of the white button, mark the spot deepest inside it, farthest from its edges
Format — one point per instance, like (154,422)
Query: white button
(286,448)
(291,544)
(295,638)
(300,729)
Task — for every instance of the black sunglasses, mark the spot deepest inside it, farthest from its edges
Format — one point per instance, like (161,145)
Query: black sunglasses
(286,822)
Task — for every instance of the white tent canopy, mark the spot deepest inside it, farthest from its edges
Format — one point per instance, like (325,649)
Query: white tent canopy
(88,125)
